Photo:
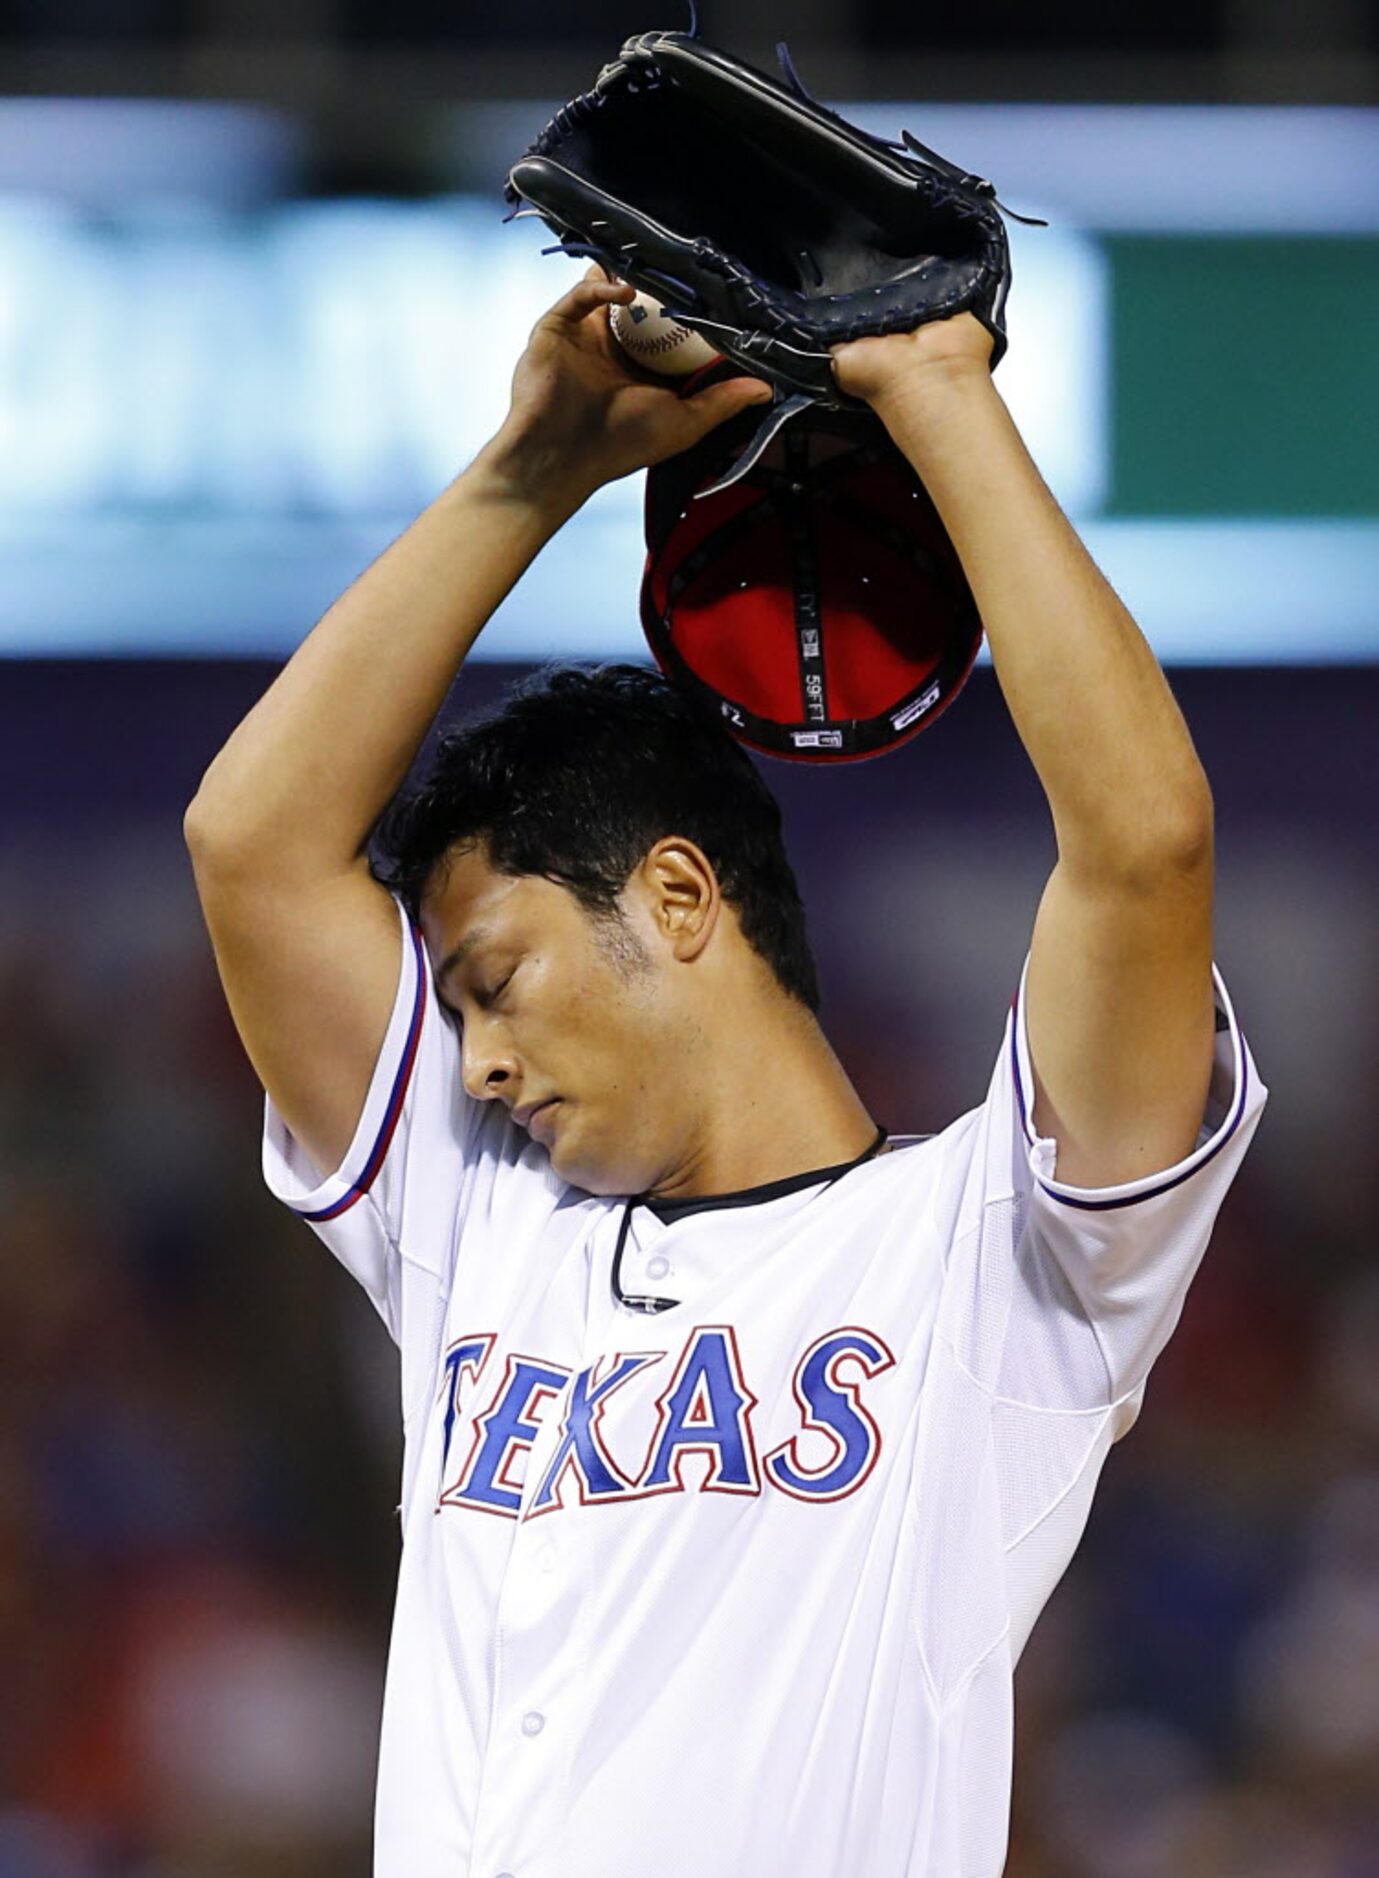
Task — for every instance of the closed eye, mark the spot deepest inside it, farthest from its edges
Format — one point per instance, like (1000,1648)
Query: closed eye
(483,998)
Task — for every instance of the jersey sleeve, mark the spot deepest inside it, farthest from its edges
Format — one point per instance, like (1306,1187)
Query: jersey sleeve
(434,1190)
(1117,1258)
(392,1203)
(1060,1298)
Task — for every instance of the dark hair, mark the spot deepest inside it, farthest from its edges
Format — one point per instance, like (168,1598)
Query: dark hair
(579,774)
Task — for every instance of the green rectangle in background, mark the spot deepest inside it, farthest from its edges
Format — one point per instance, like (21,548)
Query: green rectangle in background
(1243,375)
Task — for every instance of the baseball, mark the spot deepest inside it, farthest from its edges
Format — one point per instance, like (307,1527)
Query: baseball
(658,343)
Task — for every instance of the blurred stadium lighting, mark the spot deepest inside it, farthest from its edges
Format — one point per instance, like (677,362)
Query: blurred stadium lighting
(216,405)
(101,154)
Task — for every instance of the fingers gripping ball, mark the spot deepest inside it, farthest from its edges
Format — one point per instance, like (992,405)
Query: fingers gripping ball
(657,343)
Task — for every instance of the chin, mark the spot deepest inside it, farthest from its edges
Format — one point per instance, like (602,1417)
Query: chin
(608,1177)
(604,1182)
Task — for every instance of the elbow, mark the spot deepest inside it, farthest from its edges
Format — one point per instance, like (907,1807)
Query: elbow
(217,842)
(1168,834)
(203,829)
(229,864)
(1187,835)
(196,826)
(237,854)
(1177,830)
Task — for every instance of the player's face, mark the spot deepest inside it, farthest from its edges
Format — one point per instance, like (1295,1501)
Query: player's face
(557,1008)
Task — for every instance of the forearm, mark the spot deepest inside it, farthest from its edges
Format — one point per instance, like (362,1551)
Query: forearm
(301,781)
(1086,694)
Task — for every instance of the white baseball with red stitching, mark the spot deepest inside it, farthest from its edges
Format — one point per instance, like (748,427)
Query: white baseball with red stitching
(657,342)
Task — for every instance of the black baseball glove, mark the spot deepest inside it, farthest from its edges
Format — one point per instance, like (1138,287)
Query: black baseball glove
(761,219)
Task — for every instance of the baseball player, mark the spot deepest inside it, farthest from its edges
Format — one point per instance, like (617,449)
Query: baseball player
(743,1442)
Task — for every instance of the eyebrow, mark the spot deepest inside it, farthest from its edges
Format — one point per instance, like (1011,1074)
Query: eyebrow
(461,952)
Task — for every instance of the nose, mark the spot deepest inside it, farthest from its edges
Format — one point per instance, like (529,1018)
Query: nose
(487,1066)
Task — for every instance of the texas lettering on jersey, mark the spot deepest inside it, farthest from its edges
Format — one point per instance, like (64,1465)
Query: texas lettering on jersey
(492,1416)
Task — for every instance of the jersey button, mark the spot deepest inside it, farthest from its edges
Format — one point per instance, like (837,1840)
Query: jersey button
(533,1722)
(657,1267)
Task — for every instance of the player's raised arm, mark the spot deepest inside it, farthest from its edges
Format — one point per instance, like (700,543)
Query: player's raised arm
(1119,996)
(305,939)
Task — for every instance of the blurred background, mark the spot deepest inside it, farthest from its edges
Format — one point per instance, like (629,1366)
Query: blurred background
(256,307)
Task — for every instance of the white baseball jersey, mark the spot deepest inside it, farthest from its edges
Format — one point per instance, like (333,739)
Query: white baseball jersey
(736,1590)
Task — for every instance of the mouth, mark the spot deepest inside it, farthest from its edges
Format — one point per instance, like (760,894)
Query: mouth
(540,1119)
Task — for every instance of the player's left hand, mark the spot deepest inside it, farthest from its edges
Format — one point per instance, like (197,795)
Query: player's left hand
(876,369)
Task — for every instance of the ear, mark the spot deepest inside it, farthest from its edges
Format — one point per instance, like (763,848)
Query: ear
(684,896)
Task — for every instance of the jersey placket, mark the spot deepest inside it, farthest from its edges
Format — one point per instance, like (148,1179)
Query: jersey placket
(648,1266)
(691,1260)
(538,1677)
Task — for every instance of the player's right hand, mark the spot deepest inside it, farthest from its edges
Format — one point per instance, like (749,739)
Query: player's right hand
(583,414)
